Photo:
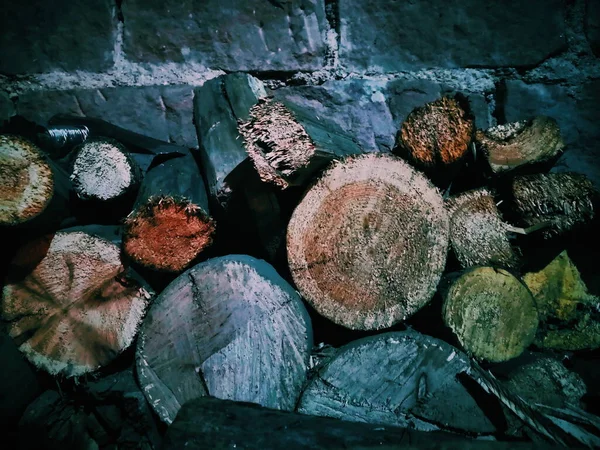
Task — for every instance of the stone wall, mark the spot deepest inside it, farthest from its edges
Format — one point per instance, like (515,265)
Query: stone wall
(365,63)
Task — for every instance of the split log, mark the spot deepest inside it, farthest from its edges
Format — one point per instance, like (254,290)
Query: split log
(478,235)
(436,137)
(569,314)
(519,145)
(170,223)
(288,145)
(71,304)
(229,327)
(564,200)
(33,191)
(402,379)
(492,314)
(367,244)
(219,424)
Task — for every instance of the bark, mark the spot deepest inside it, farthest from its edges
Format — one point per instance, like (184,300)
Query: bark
(71,305)
(367,244)
(170,224)
(492,314)
(478,235)
(230,327)
(34,191)
(402,379)
(288,145)
(220,424)
(437,137)
(525,145)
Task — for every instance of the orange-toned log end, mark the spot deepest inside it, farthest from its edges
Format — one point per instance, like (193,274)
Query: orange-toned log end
(367,245)
(77,309)
(517,144)
(26,180)
(166,233)
(438,133)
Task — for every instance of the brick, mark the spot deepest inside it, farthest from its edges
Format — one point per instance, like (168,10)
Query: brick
(390,35)
(227,34)
(59,35)
(161,112)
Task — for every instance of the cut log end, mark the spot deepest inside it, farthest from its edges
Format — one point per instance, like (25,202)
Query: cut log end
(437,133)
(26,180)
(477,233)
(367,244)
(167,233)
(102,170)
(77,310)
(492,314)
(276,142)
(513,145)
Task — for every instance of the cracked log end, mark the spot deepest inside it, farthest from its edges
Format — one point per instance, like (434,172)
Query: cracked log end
(367,244)
(167,233)
(26,180)
(477,233)
(77,309)
(276,142)
(102,170)
(564,200)
(513,145)
(437,133)
(492,314)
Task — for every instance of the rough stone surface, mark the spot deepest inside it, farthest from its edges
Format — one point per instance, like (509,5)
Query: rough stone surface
(592,25)
(161,112)
(7,109)
(391,35)
(575,110)
(372,110)
(227,34)
(60,35)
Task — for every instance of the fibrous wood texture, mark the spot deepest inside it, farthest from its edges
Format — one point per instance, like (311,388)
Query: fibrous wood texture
(564,200)
(71,304)
(403,379)
(287,145)
(569,313)
(519,144)
(230,327)
(478,235)
(219,424)
(170,223)
(367,244)
(102,170)
(26,180)
(436,134)
(492,313)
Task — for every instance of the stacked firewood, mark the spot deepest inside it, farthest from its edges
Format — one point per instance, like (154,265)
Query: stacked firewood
(142,276)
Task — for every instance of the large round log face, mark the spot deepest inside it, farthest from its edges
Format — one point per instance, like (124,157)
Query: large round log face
(368,242)
(76,310)
(26,180)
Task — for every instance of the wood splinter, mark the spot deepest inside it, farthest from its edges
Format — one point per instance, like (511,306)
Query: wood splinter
(518,144)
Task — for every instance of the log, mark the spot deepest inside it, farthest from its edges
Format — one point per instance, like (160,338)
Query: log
(368,242)
(218,424)
(568,312)
(478,235)
(402,379)
(527,144)
(288,145)
(564,200)
(436,137)
(492,314)
(71,305)
(170,223)
(229,327)
(34,191)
